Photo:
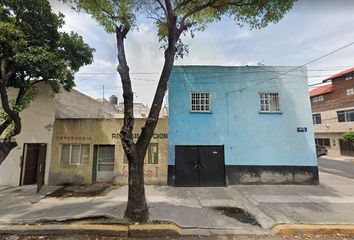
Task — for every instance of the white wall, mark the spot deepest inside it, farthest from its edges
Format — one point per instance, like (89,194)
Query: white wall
(37,127)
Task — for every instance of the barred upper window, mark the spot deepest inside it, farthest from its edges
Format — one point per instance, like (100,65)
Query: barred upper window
(269,102)
(200,102)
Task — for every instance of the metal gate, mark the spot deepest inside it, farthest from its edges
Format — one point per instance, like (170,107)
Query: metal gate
(200,166)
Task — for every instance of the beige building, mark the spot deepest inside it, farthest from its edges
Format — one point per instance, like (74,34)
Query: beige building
(86,151)
(33,152)
(333,112)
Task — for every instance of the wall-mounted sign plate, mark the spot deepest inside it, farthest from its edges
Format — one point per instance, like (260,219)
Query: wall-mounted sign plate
(302,129)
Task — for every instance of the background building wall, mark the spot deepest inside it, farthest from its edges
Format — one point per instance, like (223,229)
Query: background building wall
(249,137)
(332,129)
(75,104)
(103,131)
(37,126)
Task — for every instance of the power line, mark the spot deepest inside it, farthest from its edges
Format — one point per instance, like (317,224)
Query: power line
(293,69)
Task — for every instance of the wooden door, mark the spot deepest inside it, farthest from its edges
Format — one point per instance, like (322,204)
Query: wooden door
(30,164)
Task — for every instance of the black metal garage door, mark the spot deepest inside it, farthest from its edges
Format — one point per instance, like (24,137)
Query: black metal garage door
(200,166)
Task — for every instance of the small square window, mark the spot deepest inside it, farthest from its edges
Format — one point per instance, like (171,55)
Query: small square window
(350,91)
(200,102)
(269,102)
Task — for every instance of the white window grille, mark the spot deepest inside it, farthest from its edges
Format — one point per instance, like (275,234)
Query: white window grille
(319,98)
(269,102)
(350,91)
(74,154)
(200,102)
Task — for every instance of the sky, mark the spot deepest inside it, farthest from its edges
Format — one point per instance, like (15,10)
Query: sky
(311,29)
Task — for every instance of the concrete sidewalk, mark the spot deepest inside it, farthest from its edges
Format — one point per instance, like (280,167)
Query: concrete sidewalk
(337,158)
(331,202)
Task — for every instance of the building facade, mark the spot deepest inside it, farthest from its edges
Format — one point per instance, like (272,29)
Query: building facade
(333,112)
(34,142)
(86,151)
(34,150)
(240,125)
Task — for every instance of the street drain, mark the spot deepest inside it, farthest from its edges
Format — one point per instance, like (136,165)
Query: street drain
(238,214)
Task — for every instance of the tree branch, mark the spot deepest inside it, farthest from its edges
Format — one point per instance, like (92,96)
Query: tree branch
(4,125)
(123,69)
(162,6)
(182,4)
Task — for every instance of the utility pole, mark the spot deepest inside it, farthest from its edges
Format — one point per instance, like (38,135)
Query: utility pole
(103,93)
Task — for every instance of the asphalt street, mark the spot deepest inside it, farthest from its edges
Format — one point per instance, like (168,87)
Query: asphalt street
(339,168)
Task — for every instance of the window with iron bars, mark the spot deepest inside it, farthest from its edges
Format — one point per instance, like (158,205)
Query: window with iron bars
(200,102)
(269,102)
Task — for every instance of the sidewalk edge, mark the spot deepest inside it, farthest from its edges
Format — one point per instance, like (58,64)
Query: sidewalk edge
(289,229)
(143,230)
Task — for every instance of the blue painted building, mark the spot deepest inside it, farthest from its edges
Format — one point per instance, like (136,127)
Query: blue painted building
(240,125)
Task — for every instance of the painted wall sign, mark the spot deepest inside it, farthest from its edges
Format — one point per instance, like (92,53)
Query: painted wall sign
(302,129)
(136,135)
(80,138)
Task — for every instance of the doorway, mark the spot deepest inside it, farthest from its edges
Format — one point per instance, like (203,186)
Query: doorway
(103,163)
(200,166)
(33,167)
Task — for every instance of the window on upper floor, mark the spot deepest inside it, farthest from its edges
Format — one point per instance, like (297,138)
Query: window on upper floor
(350,91)
(323,142)
(316,118)
(269,102)
(346,115)
(200,102)
(349,76)
(319,98)
(74,154)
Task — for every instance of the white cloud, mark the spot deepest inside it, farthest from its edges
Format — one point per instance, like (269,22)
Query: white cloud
(310,30)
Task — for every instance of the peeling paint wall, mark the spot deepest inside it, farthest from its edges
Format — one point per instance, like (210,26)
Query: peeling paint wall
(103,132)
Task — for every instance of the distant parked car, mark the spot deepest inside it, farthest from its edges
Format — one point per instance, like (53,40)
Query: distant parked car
(321,150)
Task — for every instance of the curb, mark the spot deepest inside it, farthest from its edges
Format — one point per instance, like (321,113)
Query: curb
(290,229)
(144,230)
(151,230)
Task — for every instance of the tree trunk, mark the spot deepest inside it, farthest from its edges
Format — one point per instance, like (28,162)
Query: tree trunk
(12,116)
(136,210)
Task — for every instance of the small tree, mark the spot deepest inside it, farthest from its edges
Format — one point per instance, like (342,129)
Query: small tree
(348,136)
(32,50)
(173,19)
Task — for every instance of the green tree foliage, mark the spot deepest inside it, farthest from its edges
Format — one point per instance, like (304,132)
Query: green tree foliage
(348,136)
(173,19)
(32,50)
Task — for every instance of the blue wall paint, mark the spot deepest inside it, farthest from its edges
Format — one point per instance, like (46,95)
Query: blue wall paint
(249,137)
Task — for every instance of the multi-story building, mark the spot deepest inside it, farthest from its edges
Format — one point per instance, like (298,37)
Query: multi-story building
(240,125)
(333,112)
